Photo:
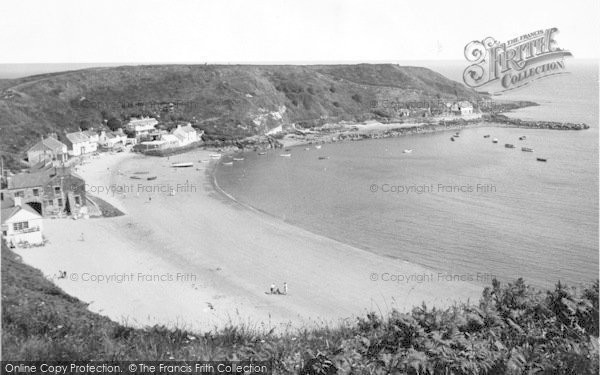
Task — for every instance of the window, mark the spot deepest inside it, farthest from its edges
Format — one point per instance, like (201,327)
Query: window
(21,225)
(36,192)
(57,190)
(77,199)
(19,194)
(49,203)
(59,202)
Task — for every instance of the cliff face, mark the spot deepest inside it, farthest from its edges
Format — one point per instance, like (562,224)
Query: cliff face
(226,101)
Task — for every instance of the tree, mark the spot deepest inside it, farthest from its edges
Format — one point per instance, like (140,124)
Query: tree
(84,125)
(114,123)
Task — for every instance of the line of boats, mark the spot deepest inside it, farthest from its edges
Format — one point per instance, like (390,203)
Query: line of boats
(506,145)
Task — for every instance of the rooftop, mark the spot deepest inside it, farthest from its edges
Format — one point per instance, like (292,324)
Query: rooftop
(77,137)
(7,213)
(48,144)
(26,180)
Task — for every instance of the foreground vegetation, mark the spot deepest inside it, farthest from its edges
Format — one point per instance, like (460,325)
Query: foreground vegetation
(513,330)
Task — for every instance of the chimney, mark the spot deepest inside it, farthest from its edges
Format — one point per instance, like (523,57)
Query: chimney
(17,201)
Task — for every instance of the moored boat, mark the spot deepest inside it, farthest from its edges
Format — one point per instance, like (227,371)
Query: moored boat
(486,136)
(508,145)
(495,140)
(238,159)
(522,138)
(151,178)
(542,159)
(262,153)
(452,139)
(182,165)
(215,156)
(286,155)
(323,157)
(228,163)
(407,151)
(318,147)
(526,149)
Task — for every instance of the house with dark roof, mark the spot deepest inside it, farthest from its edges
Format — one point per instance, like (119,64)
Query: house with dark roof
(48,149)
(51,191)
(21,224)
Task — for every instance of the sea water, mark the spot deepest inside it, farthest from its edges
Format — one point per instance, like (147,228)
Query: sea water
(468,207)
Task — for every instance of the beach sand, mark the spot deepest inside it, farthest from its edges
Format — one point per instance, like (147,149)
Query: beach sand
(200,260)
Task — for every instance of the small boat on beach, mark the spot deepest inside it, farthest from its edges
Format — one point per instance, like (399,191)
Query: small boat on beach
(522,138)
(142,172)
(228,163)
(318,147)
(407,151)
(262,153)
(215,156)
(182,165)
(508,145)
(495,140)
(238,159)
(526,149)
(323,157)
(542,159)
(286,155)
(486,136)
(151,178)
(135,177)
(456,135)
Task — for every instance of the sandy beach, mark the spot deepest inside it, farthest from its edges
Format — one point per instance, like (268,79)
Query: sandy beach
(199,260)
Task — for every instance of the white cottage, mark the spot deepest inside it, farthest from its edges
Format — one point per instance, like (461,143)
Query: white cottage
(21,224)
(142,126)
(186,134)
(80,143)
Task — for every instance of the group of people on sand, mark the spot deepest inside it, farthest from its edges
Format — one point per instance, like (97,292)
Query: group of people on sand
(275,290)
(62,274)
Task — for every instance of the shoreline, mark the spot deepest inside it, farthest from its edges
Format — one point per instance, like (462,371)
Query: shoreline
(233,269)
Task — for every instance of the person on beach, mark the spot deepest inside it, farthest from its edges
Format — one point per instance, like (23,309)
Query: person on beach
(272,288)
(285,288)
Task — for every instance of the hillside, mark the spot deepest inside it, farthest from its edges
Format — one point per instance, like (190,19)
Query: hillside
(226,101)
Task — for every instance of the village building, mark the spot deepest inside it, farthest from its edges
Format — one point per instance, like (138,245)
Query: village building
(52,191)
(48,149)
(21,224)
(92,135)
(186,134)
(79,143)
(463,108)
(141,126)
(466,108)
(112,140)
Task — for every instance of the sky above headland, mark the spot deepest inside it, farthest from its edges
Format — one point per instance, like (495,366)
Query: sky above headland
(279,31)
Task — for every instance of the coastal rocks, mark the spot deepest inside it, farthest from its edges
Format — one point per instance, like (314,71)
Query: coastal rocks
(502,119)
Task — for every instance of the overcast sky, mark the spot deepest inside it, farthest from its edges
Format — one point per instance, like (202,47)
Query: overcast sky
(184,31)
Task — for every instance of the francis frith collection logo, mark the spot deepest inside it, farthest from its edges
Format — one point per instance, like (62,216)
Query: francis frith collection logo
(514,63)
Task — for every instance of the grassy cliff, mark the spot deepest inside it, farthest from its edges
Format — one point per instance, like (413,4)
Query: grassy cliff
(226,101)
(514,329)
